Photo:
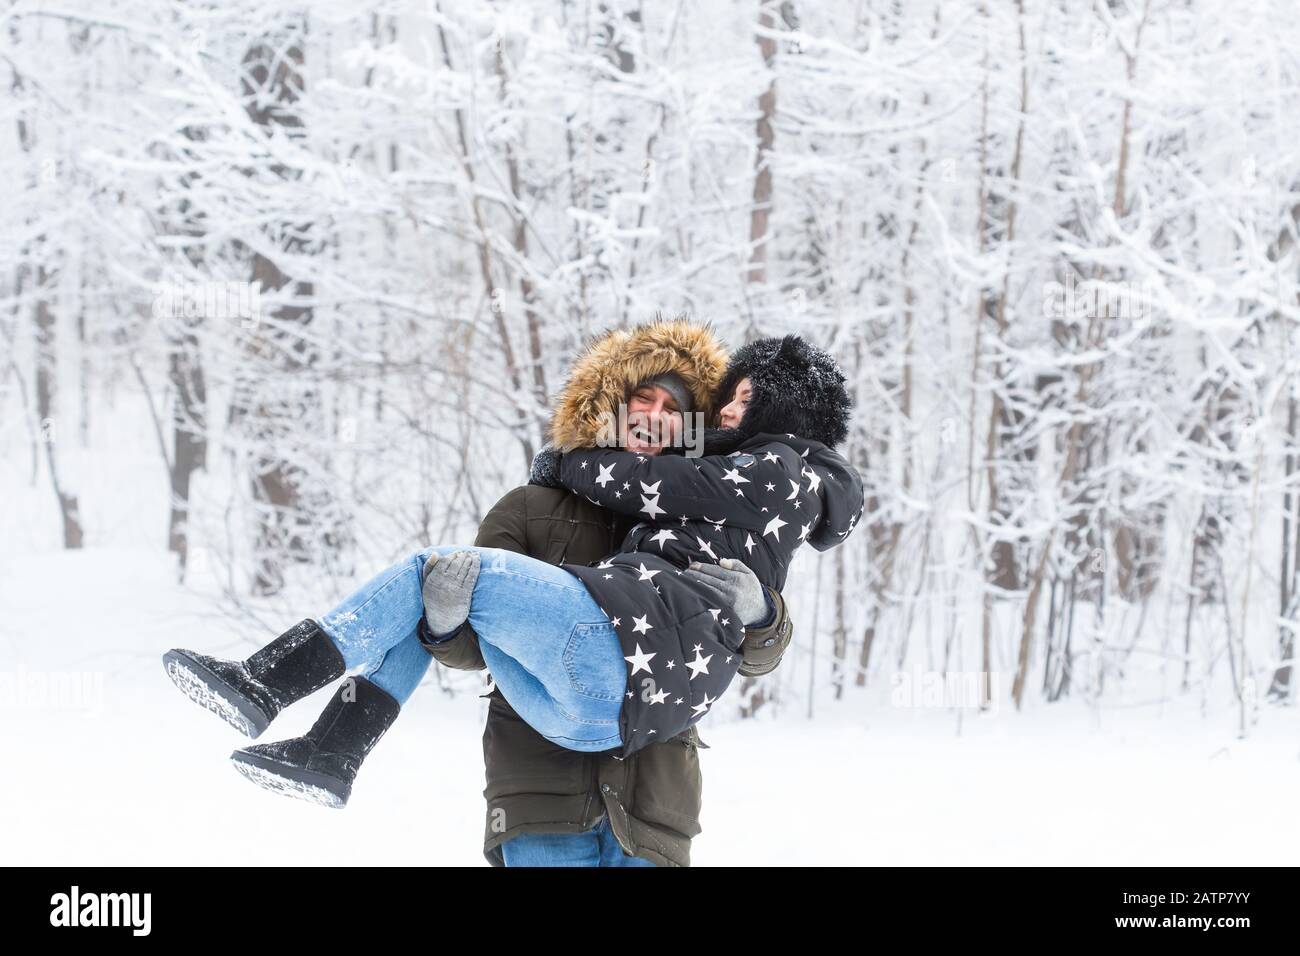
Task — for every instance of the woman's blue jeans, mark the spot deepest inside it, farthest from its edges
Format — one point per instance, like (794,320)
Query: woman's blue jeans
(550,648)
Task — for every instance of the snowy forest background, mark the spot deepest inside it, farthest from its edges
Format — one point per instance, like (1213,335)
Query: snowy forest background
(286,291)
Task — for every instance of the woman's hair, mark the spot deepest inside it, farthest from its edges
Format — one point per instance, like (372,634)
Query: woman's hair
(797,388)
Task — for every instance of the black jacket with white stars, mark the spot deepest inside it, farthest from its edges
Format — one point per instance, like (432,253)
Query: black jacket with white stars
(757,504)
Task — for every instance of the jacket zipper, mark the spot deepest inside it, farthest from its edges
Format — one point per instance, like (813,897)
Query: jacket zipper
(595,761)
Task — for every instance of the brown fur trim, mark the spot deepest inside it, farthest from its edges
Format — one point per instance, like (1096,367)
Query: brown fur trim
(620,359)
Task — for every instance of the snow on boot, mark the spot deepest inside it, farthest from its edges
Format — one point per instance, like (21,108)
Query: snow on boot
(321,766)
(249,694)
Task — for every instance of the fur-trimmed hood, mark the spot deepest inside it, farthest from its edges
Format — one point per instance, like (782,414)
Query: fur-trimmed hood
(619,360)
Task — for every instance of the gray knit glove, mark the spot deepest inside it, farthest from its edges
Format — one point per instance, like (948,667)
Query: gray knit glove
(732,583)
(448,589)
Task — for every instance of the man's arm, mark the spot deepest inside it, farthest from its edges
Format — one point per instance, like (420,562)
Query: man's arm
(503,527)
(764,647)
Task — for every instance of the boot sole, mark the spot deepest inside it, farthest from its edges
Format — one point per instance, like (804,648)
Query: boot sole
(212,693)
(291,781)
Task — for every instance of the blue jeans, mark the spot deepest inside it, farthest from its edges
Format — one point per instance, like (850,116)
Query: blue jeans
(550,648)
(595,847)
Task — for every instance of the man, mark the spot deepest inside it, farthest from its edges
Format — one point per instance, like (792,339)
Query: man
(547,805)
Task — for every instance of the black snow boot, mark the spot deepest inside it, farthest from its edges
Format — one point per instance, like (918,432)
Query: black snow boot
(321,766)
(248,694)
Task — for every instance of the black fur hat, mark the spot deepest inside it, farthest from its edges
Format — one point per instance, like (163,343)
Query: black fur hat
(797,388)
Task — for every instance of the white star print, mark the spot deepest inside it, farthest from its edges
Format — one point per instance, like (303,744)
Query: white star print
(658,698)
(606,475)
(645,574)
(735,476)
(749,543)
(803,532)
(617,621)
(651,489)
(583,465)
(700,665)
(774,527)
(650,505)
(794,490)
(706,547)
(771,456)
(640,661)
(814,479)
(770,487)
(640,624)
(662,536)
(702,707)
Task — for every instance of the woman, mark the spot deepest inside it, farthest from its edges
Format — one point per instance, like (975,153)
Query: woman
(613,655)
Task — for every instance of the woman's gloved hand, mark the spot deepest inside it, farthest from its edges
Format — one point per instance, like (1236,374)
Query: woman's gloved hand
(734,584)
(710,441)
(546,467)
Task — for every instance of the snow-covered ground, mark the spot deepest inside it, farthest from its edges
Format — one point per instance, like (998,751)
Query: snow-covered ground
(116,767)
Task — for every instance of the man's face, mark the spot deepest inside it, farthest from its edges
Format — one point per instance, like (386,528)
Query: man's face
(653,420)
(734,411)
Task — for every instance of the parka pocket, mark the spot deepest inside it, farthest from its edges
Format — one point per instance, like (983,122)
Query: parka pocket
(669,785)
